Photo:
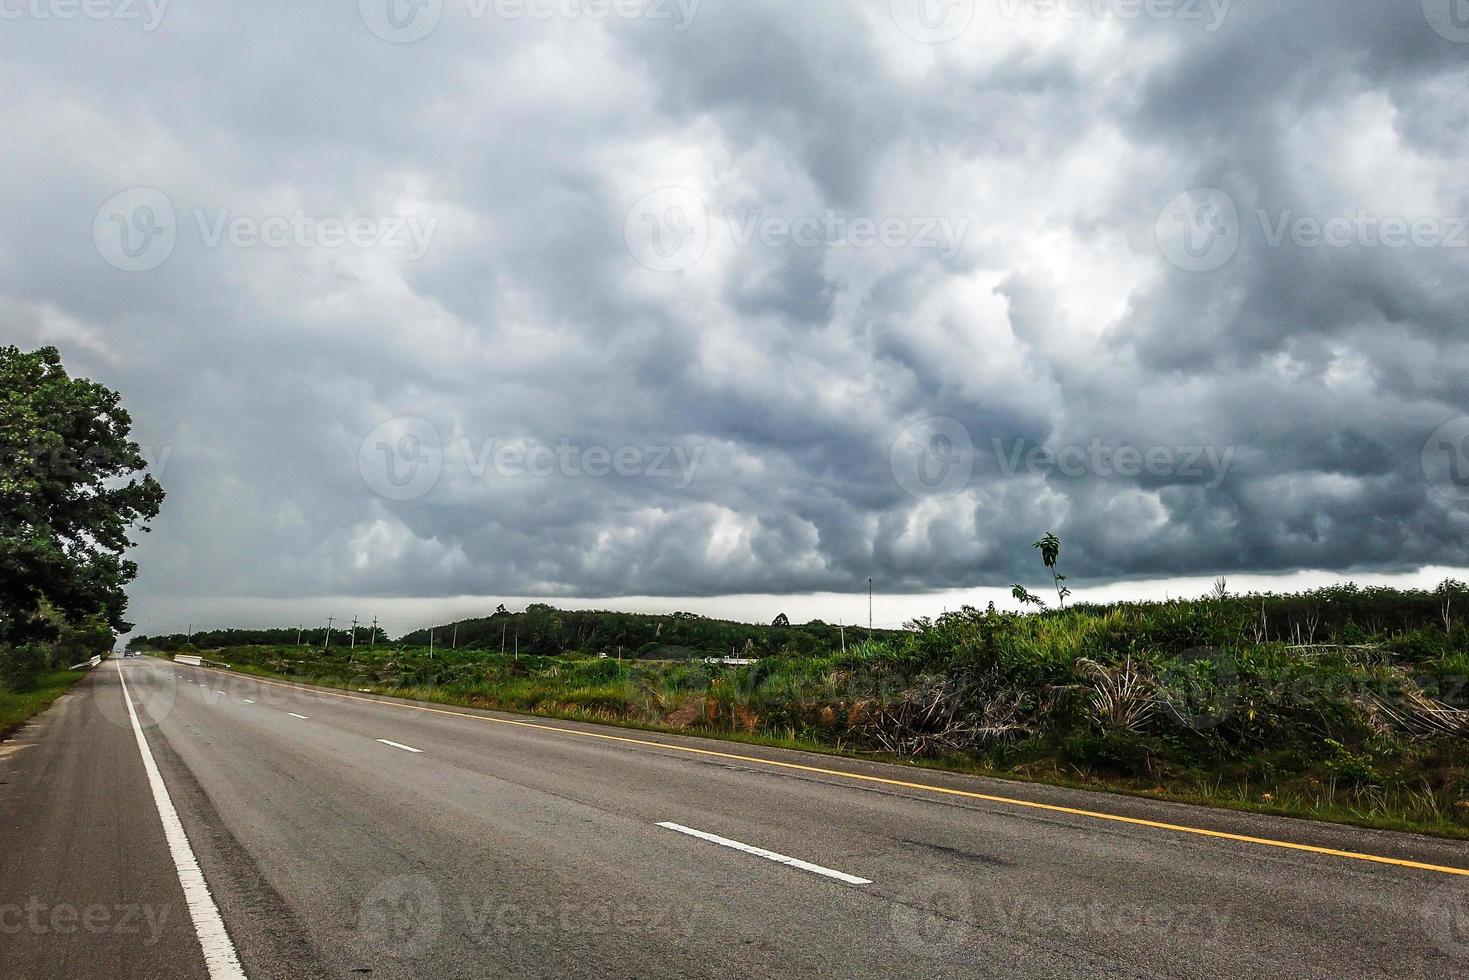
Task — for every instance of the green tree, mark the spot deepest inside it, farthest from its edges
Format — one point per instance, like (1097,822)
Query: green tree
(72,488)
(1050,549)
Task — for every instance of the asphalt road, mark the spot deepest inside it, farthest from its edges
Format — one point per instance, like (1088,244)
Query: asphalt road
(353,836)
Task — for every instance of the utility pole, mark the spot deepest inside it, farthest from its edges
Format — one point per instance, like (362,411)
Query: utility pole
(299,628)
(191,634)
(455,644)
(353,647)
(372,640)
(503,628)
(869,609)
(431,643)
(844,638)
(517,646)
(329,621)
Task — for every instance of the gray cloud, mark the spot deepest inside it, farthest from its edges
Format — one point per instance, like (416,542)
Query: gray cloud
(789,371)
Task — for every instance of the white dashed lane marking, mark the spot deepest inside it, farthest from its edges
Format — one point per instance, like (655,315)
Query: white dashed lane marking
(405,748)
(767,855)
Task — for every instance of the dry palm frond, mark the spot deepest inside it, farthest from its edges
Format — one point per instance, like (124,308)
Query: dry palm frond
(938,716)
(1412,711)
(1122,697)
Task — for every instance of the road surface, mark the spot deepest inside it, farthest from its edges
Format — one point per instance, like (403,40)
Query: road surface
(349,836)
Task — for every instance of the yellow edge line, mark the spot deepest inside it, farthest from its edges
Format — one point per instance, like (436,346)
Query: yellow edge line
(924,787)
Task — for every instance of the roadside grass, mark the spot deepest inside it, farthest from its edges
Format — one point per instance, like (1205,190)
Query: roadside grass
(18,708)
(569,689)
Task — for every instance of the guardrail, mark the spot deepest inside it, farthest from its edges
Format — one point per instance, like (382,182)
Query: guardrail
(88,665)
(193,661)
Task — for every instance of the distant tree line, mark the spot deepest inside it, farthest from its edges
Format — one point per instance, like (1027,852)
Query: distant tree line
(285,636)
(1340,614)
(544,630)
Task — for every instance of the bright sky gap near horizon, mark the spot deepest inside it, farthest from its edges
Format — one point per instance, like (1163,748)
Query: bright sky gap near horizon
(731,306)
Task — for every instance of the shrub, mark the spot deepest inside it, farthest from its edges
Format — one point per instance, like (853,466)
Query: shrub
(22,667)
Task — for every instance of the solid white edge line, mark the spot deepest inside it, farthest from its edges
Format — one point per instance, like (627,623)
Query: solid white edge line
(214,940)
(294,715)
(768,855)
(247,700)
(405,748)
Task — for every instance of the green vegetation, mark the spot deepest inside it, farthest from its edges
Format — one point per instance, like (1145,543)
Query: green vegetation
(25,666)
(18,708)
(32,675)
(71,491)
(1345,704)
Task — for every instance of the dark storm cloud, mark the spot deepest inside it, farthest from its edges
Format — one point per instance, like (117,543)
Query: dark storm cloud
(601,415)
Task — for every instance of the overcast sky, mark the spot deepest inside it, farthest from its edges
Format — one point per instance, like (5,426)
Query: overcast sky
(681,299)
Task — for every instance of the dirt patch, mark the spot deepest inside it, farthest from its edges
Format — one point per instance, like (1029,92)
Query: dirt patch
(683,717)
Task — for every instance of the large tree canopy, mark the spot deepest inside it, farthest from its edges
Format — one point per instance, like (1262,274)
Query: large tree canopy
(72,487)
